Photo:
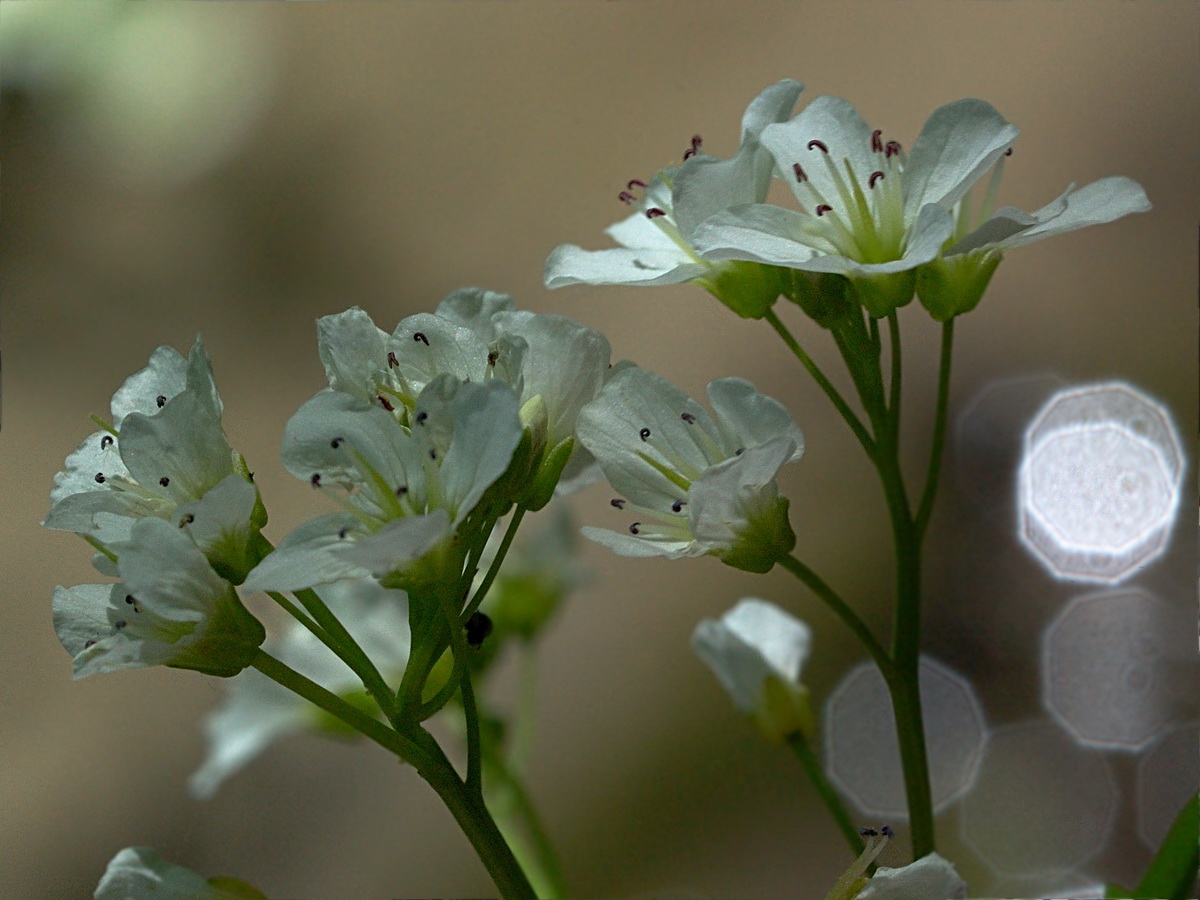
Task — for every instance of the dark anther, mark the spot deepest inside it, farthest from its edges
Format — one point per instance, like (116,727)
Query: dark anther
(402,490)
(164,481)
(342,533)
(818,144)
(891,148)
(383,401)
(186,519)
(493,355)
(1008,152)
(633,529)
(644,434)
(626,197)
(432,453)
(694,149)
(421,417)
(654,212)
(887,831)
(617,502)
(868,832)
(161,401)
(688,417)
(420,336)
(129,598)
(678,506)
(824,208)
(478,627)
(106,442)
(392,361)
(739,451)
(315,481)
(336,442)
(99,478)
(635,182)
(89,642)
(875,176)
(119,624)
(876,143)
(799,173)
(250,475)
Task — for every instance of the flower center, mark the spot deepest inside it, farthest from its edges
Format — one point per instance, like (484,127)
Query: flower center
(862,217)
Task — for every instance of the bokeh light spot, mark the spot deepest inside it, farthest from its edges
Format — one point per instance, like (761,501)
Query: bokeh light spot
(1104,673)
(1099,482)
(1166,777)
(1042,805)
(863,755)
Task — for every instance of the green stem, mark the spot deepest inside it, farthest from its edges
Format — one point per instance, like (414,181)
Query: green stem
(494,568)
(812,768)
(474,751)
(939,432)
(303,618)
(831,599)
(895,393)
(824,383)
(543,863)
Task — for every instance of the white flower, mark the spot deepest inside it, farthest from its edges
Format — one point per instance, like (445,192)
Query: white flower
(696,486)
(757,652)
(139,873)
(258,711)
(164,453)
(929,878)
(407,488)
(170,608)
(872,214)
(657,244)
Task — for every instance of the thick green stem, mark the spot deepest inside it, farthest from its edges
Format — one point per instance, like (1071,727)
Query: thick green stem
(824,383)
(829,796)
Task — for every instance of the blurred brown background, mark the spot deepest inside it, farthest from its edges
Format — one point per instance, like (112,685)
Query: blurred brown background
(240,169)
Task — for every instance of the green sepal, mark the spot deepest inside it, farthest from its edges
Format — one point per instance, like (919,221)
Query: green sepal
(258,516)
(784,710)
(766,539)
(231,637)
(234,889)
(541,488)
(750,289)
(825,297)
(953,285)
(882,294)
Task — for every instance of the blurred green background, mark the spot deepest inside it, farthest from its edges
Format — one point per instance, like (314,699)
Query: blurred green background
(241,169)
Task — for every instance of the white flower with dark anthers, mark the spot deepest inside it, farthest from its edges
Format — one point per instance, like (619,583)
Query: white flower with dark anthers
(871,213)
(657,241)
(757,652)
(139,873)
(931,877)
(164,451)
(170,608)
(696,486)
(407,488)
(259,711)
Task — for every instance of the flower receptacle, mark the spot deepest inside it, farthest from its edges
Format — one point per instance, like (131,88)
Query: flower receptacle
(750,289)
(952,285)
(882,294)
(766,539)
(232,636)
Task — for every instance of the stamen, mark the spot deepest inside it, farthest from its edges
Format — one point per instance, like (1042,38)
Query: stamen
(739,451)
(887,831)
(89,642)
(99,478)
(315,481)
(635,182)
(432,453)
(492,357)
(876,143)
(875,176)
(129,599)
(392,361)
(891,148)
(818,144)
(420,336)
(654,212)
(164,481)
(644,434)
(688,417)
(633,529)
(161,401)
(336,442)
(678,505)
(119,624)
(342,532)
(106,441)
(695,148)
(186,519)
(799,173)
(617,502)
(421,417)
(402,490)
(1008,152)
(383,401)
(824,208)
(478,627)
(626,198)
(867,832)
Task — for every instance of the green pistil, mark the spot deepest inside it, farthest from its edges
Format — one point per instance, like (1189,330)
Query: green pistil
(99,421)
(385,493)
(670,474)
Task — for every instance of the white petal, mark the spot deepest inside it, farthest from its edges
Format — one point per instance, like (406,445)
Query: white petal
(739,667)
(97,454)
(929,878)
(427,346)
(774,104)
(487,429)
(782,640)
(168,574)
(760,232)
(727,496)
(569,264)
(476,309)
(747,418)
(1093,204)
(81,614)
(139,873)
(309,555)
(220,520)
(353,351)
(182,443)
(396,544)
(631,545)
(959,142)
(164,376)
(638,232)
